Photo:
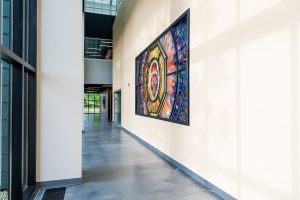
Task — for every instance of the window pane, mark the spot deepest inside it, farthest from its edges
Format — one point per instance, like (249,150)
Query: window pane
(86,108)
(97,96)
(32,32)
(91,96)
(6,19)
(86,96)
(91,107)
(97,105)
(4,136)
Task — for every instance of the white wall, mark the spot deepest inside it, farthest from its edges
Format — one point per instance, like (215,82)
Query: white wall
(97,71)
(60,89)
(244,91)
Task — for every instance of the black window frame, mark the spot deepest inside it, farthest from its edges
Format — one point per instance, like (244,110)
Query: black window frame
(22,57)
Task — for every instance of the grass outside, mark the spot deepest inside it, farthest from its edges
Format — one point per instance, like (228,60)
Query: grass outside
(91,109)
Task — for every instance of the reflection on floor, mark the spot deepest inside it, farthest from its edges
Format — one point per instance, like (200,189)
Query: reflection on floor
(116,167)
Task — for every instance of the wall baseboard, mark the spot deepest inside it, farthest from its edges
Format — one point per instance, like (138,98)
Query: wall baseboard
(181,167)
(59,183)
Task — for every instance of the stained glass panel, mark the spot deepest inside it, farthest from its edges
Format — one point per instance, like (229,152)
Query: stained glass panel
(162,75)
(168,46)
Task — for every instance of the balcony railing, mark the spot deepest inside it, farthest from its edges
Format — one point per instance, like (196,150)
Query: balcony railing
(98,48)
(105,7)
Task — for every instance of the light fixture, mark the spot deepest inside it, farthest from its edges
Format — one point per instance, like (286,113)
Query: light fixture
(95,55)
(104,45)
(90,52)
(107,42)
(94,49)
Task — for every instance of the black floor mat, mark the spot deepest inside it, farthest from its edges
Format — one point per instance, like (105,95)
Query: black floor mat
(54,194)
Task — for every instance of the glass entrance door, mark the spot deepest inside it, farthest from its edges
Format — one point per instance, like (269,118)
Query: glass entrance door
(92,103)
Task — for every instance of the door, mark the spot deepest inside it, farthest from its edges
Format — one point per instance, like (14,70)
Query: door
(117,108)
(109,116)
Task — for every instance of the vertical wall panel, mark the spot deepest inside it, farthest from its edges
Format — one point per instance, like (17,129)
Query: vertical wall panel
(60,90)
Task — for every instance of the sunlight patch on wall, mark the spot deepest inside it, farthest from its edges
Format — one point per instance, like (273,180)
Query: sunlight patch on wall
(197,73)
(265,113)
(221,15)
(198,22)
(250,8)
(221,109)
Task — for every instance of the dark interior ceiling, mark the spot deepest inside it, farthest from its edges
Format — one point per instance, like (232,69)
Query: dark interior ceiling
(98,26)
(96,87)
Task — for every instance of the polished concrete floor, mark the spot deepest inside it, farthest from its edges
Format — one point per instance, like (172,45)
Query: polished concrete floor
(117,167)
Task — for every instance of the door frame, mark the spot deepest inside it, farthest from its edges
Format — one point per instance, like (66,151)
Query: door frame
(118,92)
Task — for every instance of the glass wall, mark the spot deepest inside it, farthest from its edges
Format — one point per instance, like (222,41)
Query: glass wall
(91,103)
(17,98)
(6,23)
(5,128)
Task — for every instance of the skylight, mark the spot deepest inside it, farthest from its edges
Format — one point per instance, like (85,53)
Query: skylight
(105,7)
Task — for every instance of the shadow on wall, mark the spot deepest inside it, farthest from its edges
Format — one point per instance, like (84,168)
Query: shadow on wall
(250,64)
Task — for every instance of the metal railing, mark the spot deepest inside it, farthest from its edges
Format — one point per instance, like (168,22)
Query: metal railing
(98,48)
(105,7)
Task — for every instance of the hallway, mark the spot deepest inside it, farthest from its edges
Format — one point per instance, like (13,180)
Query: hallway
(116,166)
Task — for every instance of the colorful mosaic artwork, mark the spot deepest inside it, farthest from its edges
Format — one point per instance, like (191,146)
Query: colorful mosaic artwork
(162,75)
